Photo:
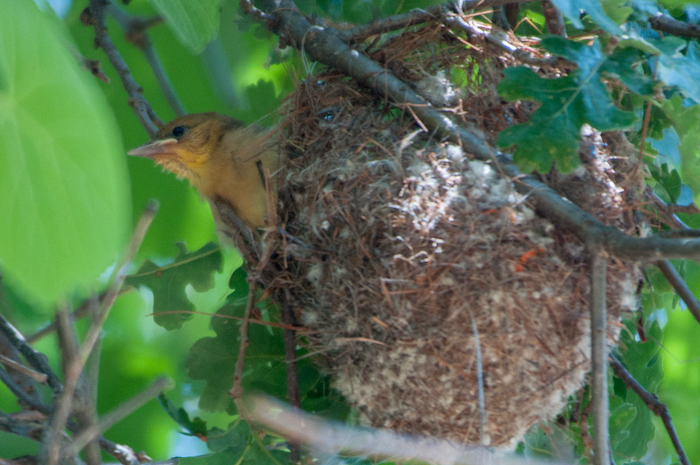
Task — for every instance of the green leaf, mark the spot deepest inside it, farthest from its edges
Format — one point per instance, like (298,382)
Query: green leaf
(676,69)
(218,458)
(213,359)
(572,10)
(541,141)
(234,439)
(673,185)
(194,22)
(643,361)
(553,132)
(621,416)
(617,10)
(63,179)
(168,282)
(623,64)
(686,120)
(240,445)
(196,427)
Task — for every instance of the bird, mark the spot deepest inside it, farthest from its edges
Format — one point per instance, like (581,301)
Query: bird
(222,158)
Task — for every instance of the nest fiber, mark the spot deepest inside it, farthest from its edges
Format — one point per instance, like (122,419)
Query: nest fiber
(405,258)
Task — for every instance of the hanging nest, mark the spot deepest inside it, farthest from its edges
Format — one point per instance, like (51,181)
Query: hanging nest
(405,257)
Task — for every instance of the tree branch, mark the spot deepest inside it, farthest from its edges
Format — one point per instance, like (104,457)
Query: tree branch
(118,414)
(135,32)
(33,427)
(599,356)
(553,19)
(325,45)
(337,438)
(681,287)
(584,225)
(35,359)
(290,345)
(75,365)
(669,25)
(666,267)
(21,395)
(237,389)
(652,403)
(81,312)
(415,17)
(473,31)
(143,110)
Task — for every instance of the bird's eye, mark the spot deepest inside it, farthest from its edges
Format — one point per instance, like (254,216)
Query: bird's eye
(178,131)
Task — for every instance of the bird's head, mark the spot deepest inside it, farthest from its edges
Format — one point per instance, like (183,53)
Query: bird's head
(186,144)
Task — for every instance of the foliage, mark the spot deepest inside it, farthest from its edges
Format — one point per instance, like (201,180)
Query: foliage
(553,131)
(65,211)
(194,22)
(168,282)
(596,10)
(64,195)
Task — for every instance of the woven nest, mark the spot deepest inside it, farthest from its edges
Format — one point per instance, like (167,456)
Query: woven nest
(404,254)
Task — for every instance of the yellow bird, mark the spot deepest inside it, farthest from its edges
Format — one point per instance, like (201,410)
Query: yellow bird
(221,158)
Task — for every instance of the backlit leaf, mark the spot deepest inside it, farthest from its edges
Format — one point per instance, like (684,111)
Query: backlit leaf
(63,183)
(194,22)
(168,282)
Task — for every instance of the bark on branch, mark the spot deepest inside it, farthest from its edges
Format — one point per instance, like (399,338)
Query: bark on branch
(328,46)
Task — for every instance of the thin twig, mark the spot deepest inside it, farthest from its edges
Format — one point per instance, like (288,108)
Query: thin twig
(135,33)
(36,359)
(119,275)
(237,388)
(22,375)
(82,402)
(681,287)
(652,403)
(290,345)
(30,428)
(392,23)
(21,395)
(35,375)
(73,371)
(645,128)
(374,444)
(91,65)
(79,313)
(93,367)
(174,461)
(667,268)
(521,55)
(141,107)
(414,17)
(118,414)
(599,348)
(667,213)
(235,232)
(124,454)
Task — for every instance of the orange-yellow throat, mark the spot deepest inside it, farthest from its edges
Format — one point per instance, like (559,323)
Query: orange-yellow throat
(219,157)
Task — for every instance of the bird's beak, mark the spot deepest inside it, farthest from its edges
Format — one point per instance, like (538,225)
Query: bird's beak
(156,149)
